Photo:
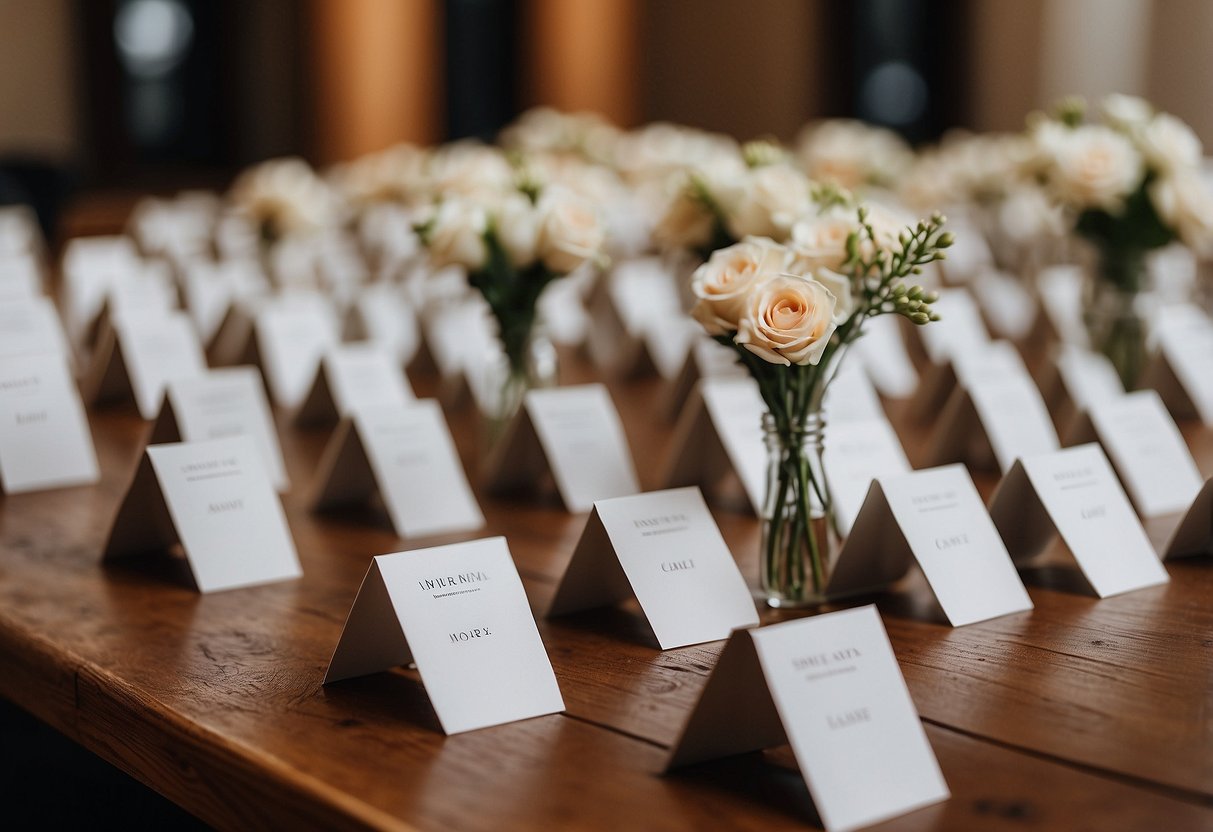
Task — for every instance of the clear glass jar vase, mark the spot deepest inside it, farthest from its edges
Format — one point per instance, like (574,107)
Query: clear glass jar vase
(799,533)
(505,380)
(1112,312)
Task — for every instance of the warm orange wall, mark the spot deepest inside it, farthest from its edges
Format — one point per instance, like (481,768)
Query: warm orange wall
(583,55)
(376,75)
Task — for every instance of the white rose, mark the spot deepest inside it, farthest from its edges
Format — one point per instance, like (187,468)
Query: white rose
(685,223)
(517,224)
(788,320)
(456,235)
(470,170)
(1095,167)
(570,232)
(721,286)
(1183,202)
(767,201)
(1128,112)
(821,241)
(1169,144)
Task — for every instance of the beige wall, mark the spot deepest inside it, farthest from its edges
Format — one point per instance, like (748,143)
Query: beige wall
(36,83)
(1006,62)
(1181,63)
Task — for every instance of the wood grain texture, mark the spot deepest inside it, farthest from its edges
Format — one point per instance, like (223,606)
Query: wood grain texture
(1083,714)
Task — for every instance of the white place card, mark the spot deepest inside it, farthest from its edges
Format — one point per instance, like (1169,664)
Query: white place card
(664,549)
(353,377)
(1074,493)
(1183,371)
(1194,534)
(291,333)
(718,433)
(20,276)
(830,686)
(460,614)
(208,294)
(934,517)
(1147,450)
(216,501)
(44,435)
(1087,377)
(706,358)
(139,356)
(978,364)
(218,404)
(1006,303)
(380,314)
(856,453)
(31,325)
(1060,289)
(958,329)
(405,454)
(882,350)
(458,336)
(575,434)
(851,396)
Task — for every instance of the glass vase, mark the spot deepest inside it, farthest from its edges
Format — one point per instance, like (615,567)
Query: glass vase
(507,378)
(1113,315)
(799,533)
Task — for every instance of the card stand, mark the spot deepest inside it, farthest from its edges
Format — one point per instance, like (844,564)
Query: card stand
(1194,534)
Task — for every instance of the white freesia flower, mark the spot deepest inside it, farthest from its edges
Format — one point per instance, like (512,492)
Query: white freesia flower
(1183,201)
(788,319)
(571,231)
(722,284)
(1169,144)
(1093,167)
(456,235)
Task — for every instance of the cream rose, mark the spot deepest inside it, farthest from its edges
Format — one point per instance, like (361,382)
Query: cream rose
(821,240)
(1184,202)
(721,286)
(1128,112)
(570,232)
(766,201)
(1095,167)
(1169,144)
(685,223)
(788,320)
(456,235)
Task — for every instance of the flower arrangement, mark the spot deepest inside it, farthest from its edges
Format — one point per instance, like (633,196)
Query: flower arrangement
(789,311)
(1130,183)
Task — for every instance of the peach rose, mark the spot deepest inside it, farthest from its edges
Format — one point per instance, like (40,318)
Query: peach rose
(722,284)
(788,320)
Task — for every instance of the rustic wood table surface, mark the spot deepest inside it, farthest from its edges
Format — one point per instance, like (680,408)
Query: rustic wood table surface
(1081,714)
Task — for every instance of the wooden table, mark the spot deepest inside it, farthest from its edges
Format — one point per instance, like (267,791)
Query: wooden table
(1082,714)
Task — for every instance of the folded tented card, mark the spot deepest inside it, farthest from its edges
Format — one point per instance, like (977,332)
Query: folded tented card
(1006,414)
(1060,289)
(1194,534)
(1088,377)
(857,453)
(934,517)
(291,334)
(352,377)
(220,403)
(882,350)
(980,363)
(138,356)
(1183,371)
(215,499)
(664,549)
(406,454)
(575,434)
(381,314)
(31,325)
(1146,448)
(460,614)
(1074,493)
(1006,302)
(960,327)
(851,397)
(20,276)
(44,435)
(829,686)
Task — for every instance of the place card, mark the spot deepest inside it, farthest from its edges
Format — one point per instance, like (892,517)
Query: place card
(208,293)
(959,328)
(458,336)
(1147,450)
(352,377)
(720,434)
(139,356)
(631,319)
(573,433)
(1084,377)
(1194,534)
(983,362)
(1006,303)
(1004,414)
(830,686)
(147,293)
(20,276)
(1182,371)
(31,325)
(851,396)
(214,499)
(459,613)
(91,266)
(664,549)
(291,333)
(381,314)
(1075,494)
(882,350)
(44,435)
(406,455)
(218,404)
(1060,290)
(706,358)
(935,518)
(856,453)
